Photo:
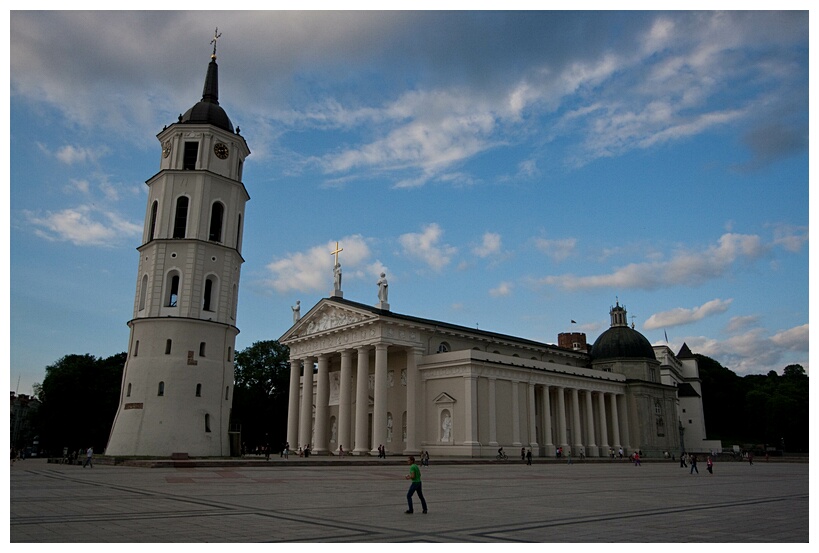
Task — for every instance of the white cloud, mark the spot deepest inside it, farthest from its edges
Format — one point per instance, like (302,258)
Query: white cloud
(312,270)
(503,289)
(738,324)
(83,226)
(558,250)
(755,353)
(682,316)
(490,245)
(686,268)
(70,155)
(426,247)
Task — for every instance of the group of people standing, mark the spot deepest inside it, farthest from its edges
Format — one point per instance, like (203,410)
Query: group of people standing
(692,461)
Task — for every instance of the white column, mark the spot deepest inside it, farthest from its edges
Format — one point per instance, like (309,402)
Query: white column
(362,401)
(615,424)
(604,431)
(577,436)
(561,418)
(493,418)
(532,421)
(515,415)
(470,411)
(322,404)
(591,445)
(306,421)
(293,403)
(546,420)
(413,380)
(344,400)
(380,398)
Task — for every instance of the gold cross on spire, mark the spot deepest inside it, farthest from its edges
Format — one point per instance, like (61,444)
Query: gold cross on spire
(336,252)
(216,36)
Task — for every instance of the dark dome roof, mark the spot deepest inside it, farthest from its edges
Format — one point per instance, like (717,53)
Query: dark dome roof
(209,113)
(208,110)
(619,342)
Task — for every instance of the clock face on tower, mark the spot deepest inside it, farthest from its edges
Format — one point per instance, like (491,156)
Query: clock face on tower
(221,150)
(166,148)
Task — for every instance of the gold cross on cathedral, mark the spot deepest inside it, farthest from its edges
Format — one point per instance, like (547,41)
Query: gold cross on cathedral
(216,36)
(336,252)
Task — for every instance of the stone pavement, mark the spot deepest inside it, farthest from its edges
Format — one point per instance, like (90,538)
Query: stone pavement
(349,501)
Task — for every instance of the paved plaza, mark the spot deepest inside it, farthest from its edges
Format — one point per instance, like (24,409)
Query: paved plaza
(349,501)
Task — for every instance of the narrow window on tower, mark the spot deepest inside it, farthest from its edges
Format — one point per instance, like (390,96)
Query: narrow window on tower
(143,292)
(241,166)
(230,354)
(136,348)
(216,214)
(154,208)
(191,153)
(181,220)
(208,294)
(173,289)
(128,394)
(201,349)
(207,422)
(198,390)
(239,233)
(227,392)
(168,344)
(161,390)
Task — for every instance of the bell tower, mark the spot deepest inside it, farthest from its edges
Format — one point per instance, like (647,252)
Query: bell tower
(177,386)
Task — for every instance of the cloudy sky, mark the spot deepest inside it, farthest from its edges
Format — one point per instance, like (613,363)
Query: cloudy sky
(511,171)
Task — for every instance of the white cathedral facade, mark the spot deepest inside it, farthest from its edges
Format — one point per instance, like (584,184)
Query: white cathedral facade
(177,386)
(363,377)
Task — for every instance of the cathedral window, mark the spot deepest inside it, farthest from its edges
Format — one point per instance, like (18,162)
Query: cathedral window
(161,389)
(180,222)
(198,390)
(154,208)
(443,347)
(173,289)
(230,354)
(227,392)
(128,393)
(191,153)
(136,348)
(168,344)
(201,349)
(239,234)
(216,214)
(207,422)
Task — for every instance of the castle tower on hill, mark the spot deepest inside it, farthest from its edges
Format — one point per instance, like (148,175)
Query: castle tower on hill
(177,386)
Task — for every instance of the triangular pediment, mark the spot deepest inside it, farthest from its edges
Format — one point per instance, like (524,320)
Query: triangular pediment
(325,316)
(443,397)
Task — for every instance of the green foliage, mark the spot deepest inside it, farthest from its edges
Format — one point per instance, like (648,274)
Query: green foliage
(261,393)
(79,395)
(755,409)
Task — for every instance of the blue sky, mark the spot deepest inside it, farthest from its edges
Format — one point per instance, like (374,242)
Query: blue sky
(513,171)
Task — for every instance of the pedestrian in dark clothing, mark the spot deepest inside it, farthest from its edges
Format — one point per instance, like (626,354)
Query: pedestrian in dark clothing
(694,465)
(529,457)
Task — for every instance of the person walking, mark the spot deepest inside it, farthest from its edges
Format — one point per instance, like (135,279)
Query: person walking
(709,465)
(529,457)
(682,461)
(89,457)
(694,464)
(415,486)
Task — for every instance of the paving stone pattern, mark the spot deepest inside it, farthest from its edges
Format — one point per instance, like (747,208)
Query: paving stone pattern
(593,502)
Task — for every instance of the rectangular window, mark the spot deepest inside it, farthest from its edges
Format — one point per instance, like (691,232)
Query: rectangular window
(201,349)
(191,153)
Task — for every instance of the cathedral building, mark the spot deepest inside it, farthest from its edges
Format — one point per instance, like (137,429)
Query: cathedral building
(177,386)
(363,377)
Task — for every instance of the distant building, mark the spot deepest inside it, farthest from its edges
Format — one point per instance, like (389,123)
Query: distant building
(23,408)
(363,376)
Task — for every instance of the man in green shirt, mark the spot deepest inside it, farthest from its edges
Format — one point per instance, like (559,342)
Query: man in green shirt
(415,486)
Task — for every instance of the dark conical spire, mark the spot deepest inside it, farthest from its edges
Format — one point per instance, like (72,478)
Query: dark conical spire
(208,110)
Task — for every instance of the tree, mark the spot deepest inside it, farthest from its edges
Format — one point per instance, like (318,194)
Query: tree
(79,395)
(261,393)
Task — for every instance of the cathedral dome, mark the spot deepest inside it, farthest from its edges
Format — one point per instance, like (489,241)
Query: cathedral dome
(207,110)
(620,341)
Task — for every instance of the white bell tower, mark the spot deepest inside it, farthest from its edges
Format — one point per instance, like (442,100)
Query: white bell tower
(177,386)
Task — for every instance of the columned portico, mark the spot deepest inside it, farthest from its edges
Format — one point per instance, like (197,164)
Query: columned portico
(604,433)
(547,421)
(493,419)
(293,405)
(591,446)
(560,392)
(306,419)
(532,421)
(345,400)
(413,356)
(380,398)
(362,401)
(577,436)
(322,399)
